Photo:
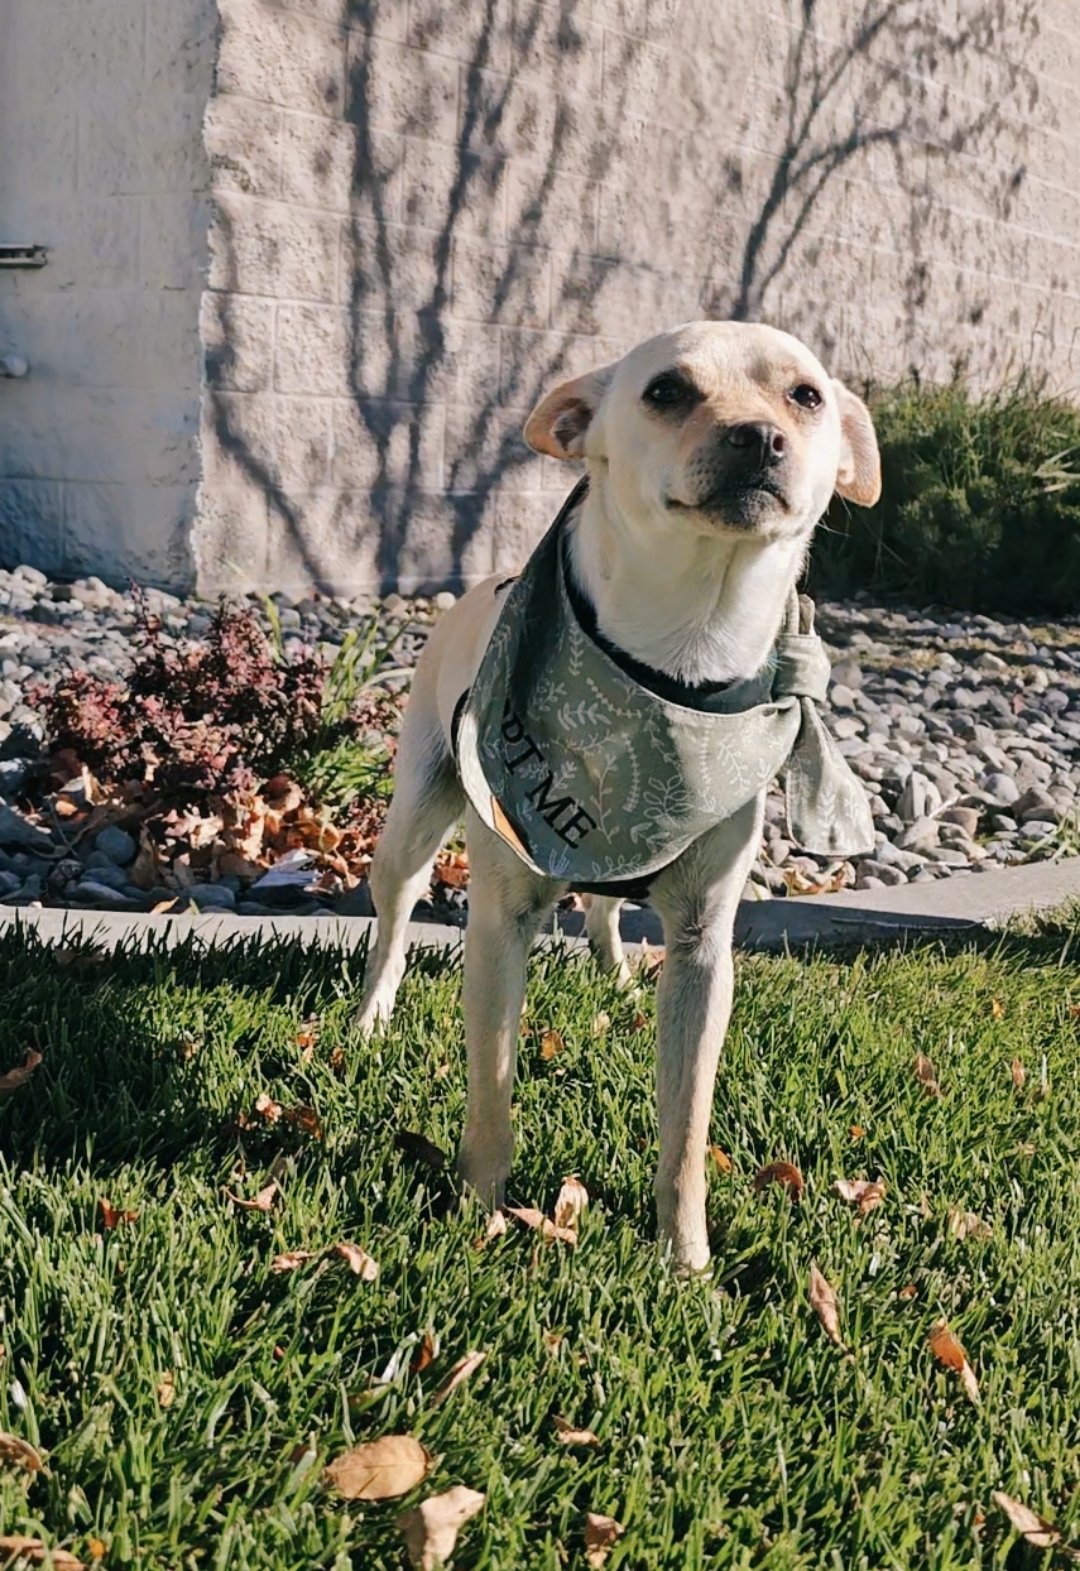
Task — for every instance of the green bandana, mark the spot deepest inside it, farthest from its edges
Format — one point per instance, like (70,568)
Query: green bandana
(595,779)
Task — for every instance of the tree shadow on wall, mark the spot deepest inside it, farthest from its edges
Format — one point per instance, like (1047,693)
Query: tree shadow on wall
(901,54)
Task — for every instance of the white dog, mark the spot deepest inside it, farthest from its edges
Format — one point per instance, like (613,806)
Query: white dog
(610,720)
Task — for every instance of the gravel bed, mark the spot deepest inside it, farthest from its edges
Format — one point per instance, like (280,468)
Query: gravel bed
(965,728)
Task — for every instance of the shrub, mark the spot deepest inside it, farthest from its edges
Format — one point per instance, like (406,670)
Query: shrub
(980,505)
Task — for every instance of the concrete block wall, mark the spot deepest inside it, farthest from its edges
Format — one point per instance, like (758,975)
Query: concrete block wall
(425,212)
(102,161)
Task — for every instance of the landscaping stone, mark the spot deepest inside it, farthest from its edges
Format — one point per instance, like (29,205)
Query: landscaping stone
(117,845)
(15,830)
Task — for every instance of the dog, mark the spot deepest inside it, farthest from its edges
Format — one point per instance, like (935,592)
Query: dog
(711,452)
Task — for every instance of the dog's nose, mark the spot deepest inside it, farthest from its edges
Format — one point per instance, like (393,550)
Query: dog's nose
(764,442)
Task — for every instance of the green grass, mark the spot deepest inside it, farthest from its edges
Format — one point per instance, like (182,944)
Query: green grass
(732,1433)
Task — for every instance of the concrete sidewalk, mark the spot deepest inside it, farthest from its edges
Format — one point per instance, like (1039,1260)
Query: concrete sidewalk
(972,902)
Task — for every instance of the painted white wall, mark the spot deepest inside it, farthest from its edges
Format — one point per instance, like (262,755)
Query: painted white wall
(102,161)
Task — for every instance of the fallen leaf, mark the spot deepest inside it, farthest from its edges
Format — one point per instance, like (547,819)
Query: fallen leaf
(533,1218)
(924,1074)
(967,1224)
(908,1292)
(359,1261)
(496,1225)
(552,1340)
(1074,1010)
(781,1173)
(721,1158)
(1019,1074)
(96,1548)
(551,1044)
(263,1201)
(856,1131)
(572,1199)
(111,1217)
(948,1351)
(337,1060)
(292,1259)
(15,1547)
(307,1037)
(824,1304)
(601,1023)
(1040,1533)
(430,1530)
(600,1533)
(424,1354)
(18,1077)
(865,1193)
(380,1469)
(304,1118)
(461,1372)
(567,1435)
(166,1389)
(639,1022)
(19,1453)
(997,1008)
(420,1148)
(651,959)
(163,906)
(267,1108)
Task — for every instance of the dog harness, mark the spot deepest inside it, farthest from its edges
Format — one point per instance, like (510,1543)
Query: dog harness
(599,772)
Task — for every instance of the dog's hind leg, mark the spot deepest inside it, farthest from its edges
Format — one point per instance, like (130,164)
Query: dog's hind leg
(427,802)
(507,902)
(602,931)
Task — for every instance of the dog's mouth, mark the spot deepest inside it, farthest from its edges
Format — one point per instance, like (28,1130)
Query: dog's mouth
(740,502)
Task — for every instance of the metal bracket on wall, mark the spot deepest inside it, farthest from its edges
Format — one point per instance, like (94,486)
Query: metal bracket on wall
(22,255)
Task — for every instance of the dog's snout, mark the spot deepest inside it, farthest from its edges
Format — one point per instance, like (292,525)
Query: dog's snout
(761,440)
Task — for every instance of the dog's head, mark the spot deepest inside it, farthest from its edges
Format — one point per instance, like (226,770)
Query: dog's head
(724,428)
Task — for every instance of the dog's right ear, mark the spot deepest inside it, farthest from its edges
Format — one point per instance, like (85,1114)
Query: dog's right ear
(558,424)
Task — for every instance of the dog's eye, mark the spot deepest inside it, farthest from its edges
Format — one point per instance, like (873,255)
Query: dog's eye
(806,396)
(669,390)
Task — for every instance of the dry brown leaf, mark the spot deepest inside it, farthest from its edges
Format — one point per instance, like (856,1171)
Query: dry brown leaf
(18,1077)
(163,906)
(462,1370)
(267,1108)
(533,1218)
(784,1173)
(496,1225)
(908,1292)
(639,1022)
(651,960)
(263,1201)
(420,1148)
(552,1340)
(304,1118)
(424,1354)
(308,1036)
(924,1074)
(567,1435)
(721,1158)
(856,1131)
(19,1453)
(96,1548)
(166,1389)
(358,1260)
(967,1224)
(824,1303)
(1019,1074)
(600,1533)
(866,1193)
(380,1469)
(111,1217)
(997,1008)
(551,1044)
(572,1200)
(430,1530)
(13,1546)
(292,1259)
(948,1351)
(1040,1533)
(601,1023)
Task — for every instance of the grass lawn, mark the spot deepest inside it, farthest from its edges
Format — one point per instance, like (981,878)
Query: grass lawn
(186,1396)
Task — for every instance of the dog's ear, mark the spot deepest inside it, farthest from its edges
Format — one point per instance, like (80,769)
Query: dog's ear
(558,424)
(858,478)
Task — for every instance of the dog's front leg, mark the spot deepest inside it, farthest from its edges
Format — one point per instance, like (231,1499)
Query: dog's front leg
(506,906)
(697,900)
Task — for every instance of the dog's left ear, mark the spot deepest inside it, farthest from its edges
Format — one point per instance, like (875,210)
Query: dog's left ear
(858,478)
(558,424)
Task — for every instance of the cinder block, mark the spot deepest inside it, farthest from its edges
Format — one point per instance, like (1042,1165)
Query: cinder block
(273,249)
(32,523)
(229,533)
(326,539)
(303,443)
(443,540)
(312,350)
(549,211)
(521,520)
(408,91)
(280,57)
(386,445)
(238,341)
(479,36)
(393,268)
(486,450)
(243,144)
(496,283)
(318,161)
(125,531)
(453,191)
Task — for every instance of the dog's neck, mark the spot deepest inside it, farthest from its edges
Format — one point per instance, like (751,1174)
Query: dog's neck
(700,609)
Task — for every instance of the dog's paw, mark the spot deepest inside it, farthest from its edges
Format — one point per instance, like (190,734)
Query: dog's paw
(373,1016)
